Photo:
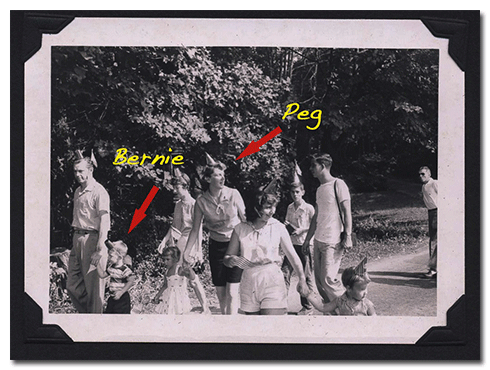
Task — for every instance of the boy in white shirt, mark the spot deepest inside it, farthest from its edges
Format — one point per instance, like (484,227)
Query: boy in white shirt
(298,219)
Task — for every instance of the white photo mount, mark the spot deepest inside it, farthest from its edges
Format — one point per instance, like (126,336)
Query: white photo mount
(403,33)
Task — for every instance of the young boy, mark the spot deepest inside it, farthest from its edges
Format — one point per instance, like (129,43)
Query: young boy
(298,218)
(353,302)
(121,278)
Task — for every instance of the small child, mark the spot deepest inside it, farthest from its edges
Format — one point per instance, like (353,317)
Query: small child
(353,302)
(173,293)
(121,278)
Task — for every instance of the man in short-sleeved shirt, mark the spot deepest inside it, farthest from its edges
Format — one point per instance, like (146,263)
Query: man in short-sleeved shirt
(91,222)
(429,191)
(327,226)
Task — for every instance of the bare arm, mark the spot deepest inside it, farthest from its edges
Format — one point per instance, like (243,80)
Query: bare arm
(194,234)
(371,311)
(300,231)
(345,209)
(317,302)
(160,292)
(311,231)
(288,249)
(187,272)
(291,254)
(131,281)
(241,208)
(232,251)
(104,227)
(102,267)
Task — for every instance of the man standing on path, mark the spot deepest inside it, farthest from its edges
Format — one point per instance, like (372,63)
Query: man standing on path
(332,217)
(429,191)
(91,223)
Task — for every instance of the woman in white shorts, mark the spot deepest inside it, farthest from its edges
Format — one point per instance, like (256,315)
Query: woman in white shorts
(254,247)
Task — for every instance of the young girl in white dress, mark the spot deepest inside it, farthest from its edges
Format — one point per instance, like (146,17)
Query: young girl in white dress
(173,297)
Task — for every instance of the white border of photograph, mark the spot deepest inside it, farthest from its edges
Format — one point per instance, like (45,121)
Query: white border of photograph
(397,34)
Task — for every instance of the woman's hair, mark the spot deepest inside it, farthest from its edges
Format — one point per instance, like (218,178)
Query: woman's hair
(173,252)
(208,172)
(350,277)
(183,180)
(257,203)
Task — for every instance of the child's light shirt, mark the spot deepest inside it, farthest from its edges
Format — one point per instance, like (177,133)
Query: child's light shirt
(118,277)
(221,216)
(300,218)
(261,246)
(351,307)
(328,223)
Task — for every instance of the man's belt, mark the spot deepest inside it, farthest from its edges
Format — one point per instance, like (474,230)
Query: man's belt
(85,231)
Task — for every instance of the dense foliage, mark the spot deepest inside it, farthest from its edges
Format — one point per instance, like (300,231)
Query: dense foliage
(379,117)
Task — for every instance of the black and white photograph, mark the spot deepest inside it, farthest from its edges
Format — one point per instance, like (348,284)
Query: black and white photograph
(244,181)
(132,118)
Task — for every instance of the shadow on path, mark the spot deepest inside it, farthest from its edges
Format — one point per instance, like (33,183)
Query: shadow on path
(415,279)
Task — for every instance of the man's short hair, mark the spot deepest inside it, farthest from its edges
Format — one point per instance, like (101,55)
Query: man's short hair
(183,180)
(323,159)
(87,160)
(424,168)
(296,185)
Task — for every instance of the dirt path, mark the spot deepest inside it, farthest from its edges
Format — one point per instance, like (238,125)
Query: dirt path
(397,288)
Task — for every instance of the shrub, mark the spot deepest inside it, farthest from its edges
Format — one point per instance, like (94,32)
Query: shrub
(369,173)
(377,229)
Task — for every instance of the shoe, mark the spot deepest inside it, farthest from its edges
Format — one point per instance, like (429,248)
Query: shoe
(305,311)
(430,274)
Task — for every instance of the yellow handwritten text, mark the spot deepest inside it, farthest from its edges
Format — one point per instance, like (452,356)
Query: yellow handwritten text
(304,114)
(136,160)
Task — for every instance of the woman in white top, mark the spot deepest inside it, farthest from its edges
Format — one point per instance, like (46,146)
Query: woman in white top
(254,246)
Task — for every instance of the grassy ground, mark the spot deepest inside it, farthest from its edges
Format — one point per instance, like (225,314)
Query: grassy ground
(387,223)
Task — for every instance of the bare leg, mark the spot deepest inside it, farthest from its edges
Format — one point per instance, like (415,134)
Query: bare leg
(232,298)
(201,294)
(252,313)
(221,293)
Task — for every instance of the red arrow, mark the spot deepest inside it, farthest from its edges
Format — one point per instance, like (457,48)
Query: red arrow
(254,146)
(139,214)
